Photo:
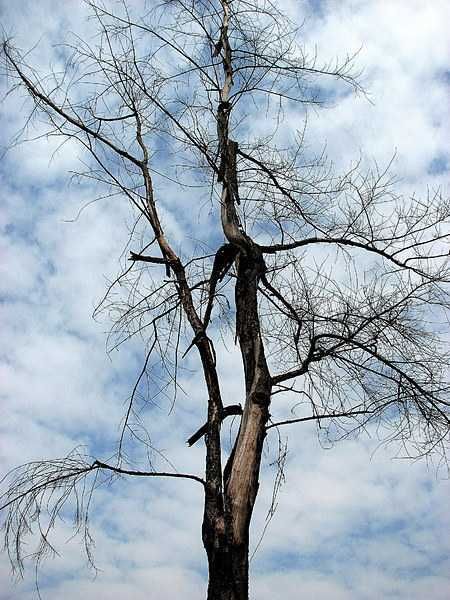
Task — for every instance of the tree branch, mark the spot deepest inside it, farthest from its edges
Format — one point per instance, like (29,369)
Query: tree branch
(35,93)
(320,417)
(151,259)
(273,249)
(101,465)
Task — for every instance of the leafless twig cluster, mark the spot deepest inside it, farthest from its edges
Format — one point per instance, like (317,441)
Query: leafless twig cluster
(334,286)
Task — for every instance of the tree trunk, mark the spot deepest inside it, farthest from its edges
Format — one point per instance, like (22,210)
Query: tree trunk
(228,573)
(226,525)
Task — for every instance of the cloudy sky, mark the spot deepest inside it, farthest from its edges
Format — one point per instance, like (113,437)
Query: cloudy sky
(352,522)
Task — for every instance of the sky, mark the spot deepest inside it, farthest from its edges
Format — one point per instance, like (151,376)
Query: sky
(352,522)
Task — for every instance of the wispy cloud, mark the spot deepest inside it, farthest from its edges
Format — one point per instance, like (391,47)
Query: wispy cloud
(350,523)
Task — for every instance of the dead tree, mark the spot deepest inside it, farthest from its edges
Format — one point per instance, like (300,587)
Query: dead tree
(353,349)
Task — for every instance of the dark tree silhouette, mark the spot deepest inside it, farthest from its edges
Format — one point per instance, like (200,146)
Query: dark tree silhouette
(362,347)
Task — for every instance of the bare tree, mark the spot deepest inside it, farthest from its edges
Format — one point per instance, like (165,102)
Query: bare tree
(353,348)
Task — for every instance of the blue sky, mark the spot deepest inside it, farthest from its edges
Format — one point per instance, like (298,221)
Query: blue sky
(352,522)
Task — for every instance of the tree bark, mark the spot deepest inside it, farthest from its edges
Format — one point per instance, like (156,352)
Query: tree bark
(228,573)
(226,524)
(226,534)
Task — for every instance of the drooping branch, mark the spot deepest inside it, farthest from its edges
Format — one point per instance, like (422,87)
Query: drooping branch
(47,475)
(39,492)
(223,260)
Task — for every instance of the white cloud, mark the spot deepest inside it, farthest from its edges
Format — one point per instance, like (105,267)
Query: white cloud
(347,525)
(403,55)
